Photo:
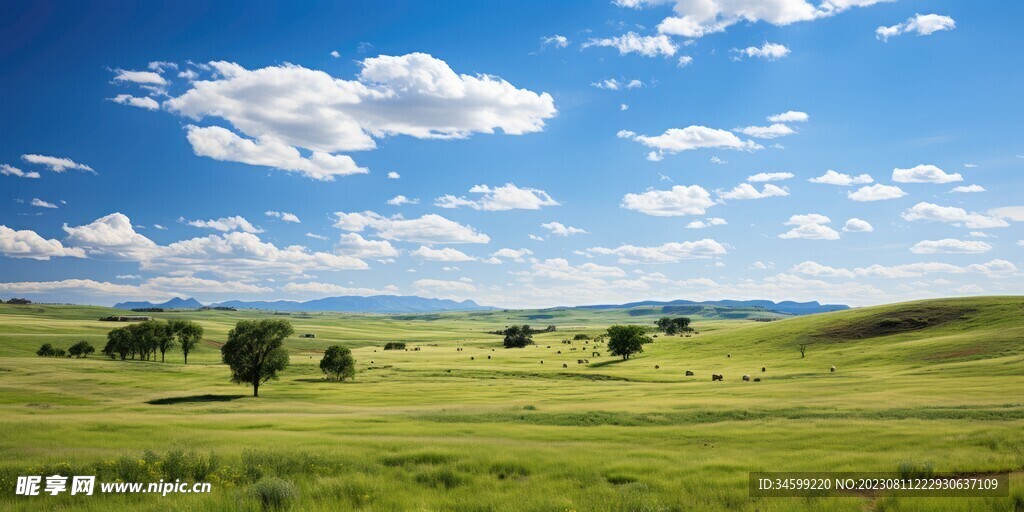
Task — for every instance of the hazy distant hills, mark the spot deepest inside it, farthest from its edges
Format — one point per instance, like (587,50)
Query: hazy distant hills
(786,307)
(175,303)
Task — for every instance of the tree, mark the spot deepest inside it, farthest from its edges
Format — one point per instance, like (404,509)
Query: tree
(672,326)
(626,340)
(81,349)
(46,350)
(188,334)
(118,344)
(161,336)
(255,351)
(803,349)
(518,336)
(338,363)
(18,301)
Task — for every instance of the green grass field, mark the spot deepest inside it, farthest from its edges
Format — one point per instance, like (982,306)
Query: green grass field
(934,384)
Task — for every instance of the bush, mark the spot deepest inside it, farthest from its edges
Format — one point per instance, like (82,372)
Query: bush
(81,349)
(46,350)
(394,345)
(581,337)
(275,494)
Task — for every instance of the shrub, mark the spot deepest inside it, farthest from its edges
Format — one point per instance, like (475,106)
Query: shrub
(581,337)
(394,345)
(275,494)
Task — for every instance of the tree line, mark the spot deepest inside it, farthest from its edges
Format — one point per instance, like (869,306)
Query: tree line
(144,339)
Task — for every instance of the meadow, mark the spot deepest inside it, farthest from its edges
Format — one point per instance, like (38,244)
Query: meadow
(925,386)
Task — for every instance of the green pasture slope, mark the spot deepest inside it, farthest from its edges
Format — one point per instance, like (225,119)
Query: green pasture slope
(933,385)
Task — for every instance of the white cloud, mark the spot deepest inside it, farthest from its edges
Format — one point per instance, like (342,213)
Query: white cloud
(950,245)
(767,132)
(791,116)
(747,191)
(443,288)
(699,18)
(113,235)
(922,24)
(767,51)
(707,223)
(812,226)
(394,175)
(812,268)
(142,102)
(352,244)
(770,176)
(42,204)
(556,41)
(8,170)
(315,288)
(336,54)
(139,77)
(610,84)
(399,200)
(28,244)
(678,201)
(1014,213)
(952,215)
(856,225)
(924,174)
(631,42)
(505,197)
(671,252)
(512,254)
(693,137)
(844,180)
(718,161)
(968,189)
(158,226)
(876,192)
(428,229)
(234,223)
(535,238)
(623,107)
(318,237)
(560,269)
(559,229)
(994,268)
(222,144)
(285,216)
(56,164)
(684,60)
(446,254)
(157,287)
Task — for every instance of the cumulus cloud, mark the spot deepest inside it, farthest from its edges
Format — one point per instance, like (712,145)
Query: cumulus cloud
(142,102)
(812,226)
(28,244)
(428,229)
(39,203)
(556,41)
(767,51)
(1014,213)
(675,140)
(352,244)
(316,288)
(8,170)
(505,197)
(56,164)
(767,132)
(112,235)
(922,24)
(446,254)
(697,19)
(844,180)
(285,216)
(924,174)
(678,201)
(394,175)
(684,60)
(770,176)
(671,252)
(856,225)
(234,223)
(876,192)
(950,245)
(952,215)
(791,116)
(443,288)
(631,42)
(994,268)
(706,223)
(966,189)
(561,269)
(139,77)
(399,200)
(512,254)
(559,229)
(747,191)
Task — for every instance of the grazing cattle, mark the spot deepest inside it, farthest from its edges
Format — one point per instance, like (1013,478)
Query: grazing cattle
(488,357)
(689,373)
(746,378)
(586,361)
(832,369)
(757,379)
(541,361)
(471,358)
(579,361)
(657,367)
(564,365)
(715,376)
(559,351)
(728,355)
(764,369)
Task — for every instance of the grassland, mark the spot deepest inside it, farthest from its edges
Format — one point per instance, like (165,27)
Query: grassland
(936,384)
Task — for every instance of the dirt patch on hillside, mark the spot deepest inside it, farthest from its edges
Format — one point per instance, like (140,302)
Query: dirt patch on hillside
(894,322)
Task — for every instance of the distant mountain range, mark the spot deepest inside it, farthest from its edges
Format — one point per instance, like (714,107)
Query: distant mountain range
(352,304)
(175,303)
(787,307)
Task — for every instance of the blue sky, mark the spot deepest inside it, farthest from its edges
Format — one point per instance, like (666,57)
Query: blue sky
(548,153)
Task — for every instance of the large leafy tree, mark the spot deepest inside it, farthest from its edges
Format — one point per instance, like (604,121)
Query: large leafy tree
(626,340)
(338,363)
(518,336)
(255,351)
(81,349)
(188,334)
(672,326)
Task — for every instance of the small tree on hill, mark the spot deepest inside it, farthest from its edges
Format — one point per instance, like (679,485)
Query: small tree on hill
(188,334)
(672,326)
(255,351)
(803,349)
(338,363)
(81,349)
(626,340)
(518,336)
(46,350)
